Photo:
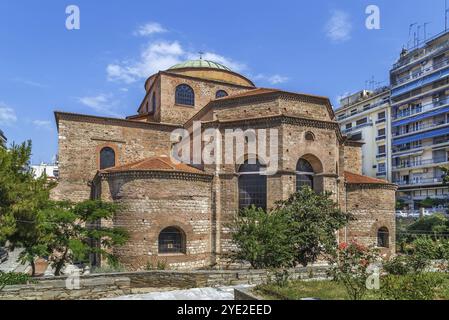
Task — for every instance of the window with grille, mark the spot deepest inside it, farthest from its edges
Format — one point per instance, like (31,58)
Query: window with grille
(185,95)
(221,94)
(107,158)
(172,240)
(252,186)
(383,238)
(304,174)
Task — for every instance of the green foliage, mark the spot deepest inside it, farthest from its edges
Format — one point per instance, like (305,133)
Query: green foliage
(350,267)
(418,286)
(445,175)
(400,204)
(12,278)
(159,265)
(74,227)
(263,239)
(314,220)
(297,231)
(436,226)
(398,265)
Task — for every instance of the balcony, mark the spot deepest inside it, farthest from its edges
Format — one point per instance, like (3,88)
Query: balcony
(419,163)
(421,73)
(381,155)
(381,174)
(380,138)
(421,108)
(381,121)
(421,128)
(418,182)
(371,106)
(369,123)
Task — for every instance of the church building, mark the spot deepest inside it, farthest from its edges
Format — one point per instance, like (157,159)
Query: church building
(179,213)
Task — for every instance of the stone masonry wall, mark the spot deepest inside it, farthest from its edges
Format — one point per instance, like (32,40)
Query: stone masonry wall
(153,204)
(373,207)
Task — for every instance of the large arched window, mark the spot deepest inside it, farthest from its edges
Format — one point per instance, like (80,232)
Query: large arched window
(107,158)
(383,238)
(221,94)
(185,95)
(172,240)
(252,186)
(304,174)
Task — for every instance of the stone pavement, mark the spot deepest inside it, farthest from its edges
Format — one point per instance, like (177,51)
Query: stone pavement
(221,293)
(12,264)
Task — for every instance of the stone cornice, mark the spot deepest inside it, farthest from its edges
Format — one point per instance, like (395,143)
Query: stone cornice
(277,120)
(113,121)
(388,186)
(155,174)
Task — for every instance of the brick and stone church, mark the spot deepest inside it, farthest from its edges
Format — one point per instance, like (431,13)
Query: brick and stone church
(178,213)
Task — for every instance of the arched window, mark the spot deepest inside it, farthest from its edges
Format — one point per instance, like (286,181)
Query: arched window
(310,136)
(185,95)
(221,94)
(153,102)
(383,238)
(107,158)
(304,174)
(252,186)
(172,240)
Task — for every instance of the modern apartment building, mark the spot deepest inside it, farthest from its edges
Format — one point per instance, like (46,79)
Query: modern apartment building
(365,117)
(420,120)
(3,139)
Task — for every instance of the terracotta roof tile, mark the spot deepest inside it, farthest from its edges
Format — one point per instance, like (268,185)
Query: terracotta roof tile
(162,163)
(249,93)
(354,178)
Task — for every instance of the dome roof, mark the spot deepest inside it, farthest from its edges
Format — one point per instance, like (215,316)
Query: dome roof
(200,64)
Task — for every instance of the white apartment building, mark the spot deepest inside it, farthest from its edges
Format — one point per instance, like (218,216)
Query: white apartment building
(420,120)
(365,117)
(50,170)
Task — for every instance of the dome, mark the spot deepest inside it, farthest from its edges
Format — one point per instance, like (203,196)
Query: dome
(200,64)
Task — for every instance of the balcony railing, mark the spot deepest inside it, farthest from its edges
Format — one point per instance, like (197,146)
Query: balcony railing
(421,128)
(421,108)
(381,155)
(381,138)
(369,123)
(419,163)
(421,73)
(418,181)
(371,106)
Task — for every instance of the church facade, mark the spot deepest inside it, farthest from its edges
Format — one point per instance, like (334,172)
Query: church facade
(178,213)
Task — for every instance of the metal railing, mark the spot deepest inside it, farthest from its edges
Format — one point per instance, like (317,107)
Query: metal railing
(420,128)
(369,123)
(423,72)
(421,108)
(418,163)
(418,181)
(371,106)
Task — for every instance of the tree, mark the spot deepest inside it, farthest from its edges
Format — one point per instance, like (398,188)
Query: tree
(21,198)
(297,231)
(445,175)
(263,239)
(315,219)
(436,225)
(75,227)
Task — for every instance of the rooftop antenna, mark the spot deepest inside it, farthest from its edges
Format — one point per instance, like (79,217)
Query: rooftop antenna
(417,38)
(446,11)
(425,29)
(201,53)
(410,33)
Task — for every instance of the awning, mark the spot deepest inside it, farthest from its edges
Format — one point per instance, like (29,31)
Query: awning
(420,82)
(431,113)
(421,136)
(409,154)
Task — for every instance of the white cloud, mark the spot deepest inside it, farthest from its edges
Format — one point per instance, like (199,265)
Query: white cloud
(149,29)
(102,103)
(7,114)
(153,58)
(43,124)
(339,26)
(272,79)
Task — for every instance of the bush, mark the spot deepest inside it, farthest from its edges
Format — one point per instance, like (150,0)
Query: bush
(350,268)
(420,286)
(397,266)
(12,278)
(281,278)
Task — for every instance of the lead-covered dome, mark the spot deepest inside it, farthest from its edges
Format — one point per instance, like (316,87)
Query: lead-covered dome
(200,64)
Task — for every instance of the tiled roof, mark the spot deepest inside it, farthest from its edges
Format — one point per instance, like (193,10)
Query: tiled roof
(260,91)
(162,163)
(353,178)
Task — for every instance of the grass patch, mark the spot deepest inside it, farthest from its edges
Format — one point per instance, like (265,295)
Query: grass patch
(331,290)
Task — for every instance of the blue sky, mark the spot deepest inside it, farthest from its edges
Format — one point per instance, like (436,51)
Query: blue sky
(319,47)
